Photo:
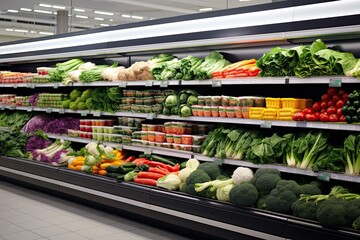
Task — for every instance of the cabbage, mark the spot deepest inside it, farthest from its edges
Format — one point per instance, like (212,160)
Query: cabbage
(192,100)
(171,101)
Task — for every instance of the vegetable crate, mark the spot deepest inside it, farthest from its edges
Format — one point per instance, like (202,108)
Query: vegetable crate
(295,103)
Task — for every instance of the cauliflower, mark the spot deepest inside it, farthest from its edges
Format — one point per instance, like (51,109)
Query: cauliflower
(111,74)
(222,193)
(242,174)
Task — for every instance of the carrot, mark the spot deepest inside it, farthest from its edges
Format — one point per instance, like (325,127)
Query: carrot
(155,164)
(150,175)
(129,159)
(158,170)
(145,181)
(102,172)
(175,168)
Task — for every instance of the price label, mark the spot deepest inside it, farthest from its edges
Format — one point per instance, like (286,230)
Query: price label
(151,116)
(12,107)
(83,114)
(61,111)
(164,84)
(287,80)
(301,124)
(147,151)
(122,84)
(219,161)
(29,110)
(192,156)
(324,177)
(2,108)
(48,110)
(216,83)
(335,83)
(56,86)
(15,86)
(149,83)
(265,124)
(97,114)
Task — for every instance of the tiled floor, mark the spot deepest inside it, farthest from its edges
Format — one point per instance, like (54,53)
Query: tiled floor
(27,214)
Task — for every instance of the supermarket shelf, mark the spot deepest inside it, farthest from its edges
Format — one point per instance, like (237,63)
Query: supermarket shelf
(187,155)
(209,82)
(260,123)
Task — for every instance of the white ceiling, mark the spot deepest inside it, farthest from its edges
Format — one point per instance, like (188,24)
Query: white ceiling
(16,22)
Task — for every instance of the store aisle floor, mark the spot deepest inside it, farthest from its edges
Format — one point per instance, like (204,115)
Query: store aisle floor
(28,214)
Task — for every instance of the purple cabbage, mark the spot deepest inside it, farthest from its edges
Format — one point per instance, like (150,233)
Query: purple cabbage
(57,155)
(61,125)
(35,123)
(33,99)
(36,142)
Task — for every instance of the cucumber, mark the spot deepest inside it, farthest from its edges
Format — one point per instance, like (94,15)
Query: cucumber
(113,175)
(120,177)
(162,160)
(128,165)
(126,170)
(112,169)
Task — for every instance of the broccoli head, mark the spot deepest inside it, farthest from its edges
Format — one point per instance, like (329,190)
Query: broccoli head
(311,189)
(262,171)
(197,176)
(332,212)
(266,182)
(76,93)
(244,194)
(352,211)
(356,223)
(212,169)
(283,196)
(261,201)
(211,193)
(304,209)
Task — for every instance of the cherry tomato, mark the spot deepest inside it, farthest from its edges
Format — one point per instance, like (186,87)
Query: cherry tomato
(324,118)
(324,110)
(311,117)
(316,106)
(342,118)
(336,98)
(324,105)
(331,110)
(325,97)
(332,91)
(333,118)
(341,92)
(340,104)
(298,116)
(339,112)
(331,103)
(345,97)
(307,111)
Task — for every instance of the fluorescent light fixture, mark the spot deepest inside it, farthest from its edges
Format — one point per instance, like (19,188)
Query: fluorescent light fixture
(244,0)
(21,30)
(79,10)
(137,17)
(100,19)
(81,16)
(125,16)
(45,5)
(104,25)
(12,10)
(32,31)
(104,13)
(46,33)
(26,9)
(58,7)
(205,9)
(9,29)
(111,20)
(42,11)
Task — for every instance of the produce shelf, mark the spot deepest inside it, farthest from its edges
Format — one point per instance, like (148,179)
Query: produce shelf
(260,123)
(217,219)
(186,155)
(209,82)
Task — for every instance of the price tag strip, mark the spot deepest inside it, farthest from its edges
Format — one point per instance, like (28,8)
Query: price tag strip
(147,151)
(324,177)
(266,124)
(97,114)
(164,84)
(122,84)
(149,83)
(335,82)
(216,83)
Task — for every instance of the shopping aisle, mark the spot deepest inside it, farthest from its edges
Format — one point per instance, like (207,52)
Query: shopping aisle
(28,214)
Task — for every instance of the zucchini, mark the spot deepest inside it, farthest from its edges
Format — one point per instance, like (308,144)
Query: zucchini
(129,165)
(120,177)
(126,170)
(113,175)
(162,160)
(112,169)
(142,167)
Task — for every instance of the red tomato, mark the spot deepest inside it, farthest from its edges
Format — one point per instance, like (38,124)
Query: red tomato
(311,117)
(341,91)
(332,91)
(324,118)
(339,112)
(307,111)
(340,104)
(342,119)
(333,118)
(345,97)
(331,103)
(324,105)
(298,116)
(325,97)
(324,110)
(336,98)
(331,110)
(316,106)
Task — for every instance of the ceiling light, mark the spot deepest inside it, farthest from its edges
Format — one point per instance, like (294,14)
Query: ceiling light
(42,11)
(104,13)
(244,0)
(26,9)
(104,25)
(125,16)
(111,20)
(137,17)
(9,29)
(45,5)
(32,31)
(58,7)
(55,13)
(21,30)
(100,19)
(79,10)
(46,33)
(81,16)
(12,10)
(205,9)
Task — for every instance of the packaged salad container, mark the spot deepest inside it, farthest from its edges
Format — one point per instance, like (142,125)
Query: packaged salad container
(151,136)
(214,111)
(160,137)
(167,145)
(198,140)
(222,111)
(207,111)
(200,111)
(177,139)
(169,138)
(179,127)
(187,139)
(144,135)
